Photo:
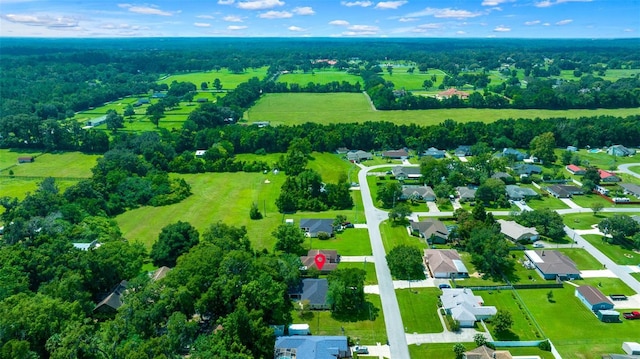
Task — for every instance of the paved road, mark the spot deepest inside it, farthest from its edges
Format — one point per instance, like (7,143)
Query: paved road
(625,169)
(392,319)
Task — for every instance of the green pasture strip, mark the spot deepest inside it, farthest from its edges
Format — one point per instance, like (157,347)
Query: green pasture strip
(298,108)
(19,187)
(412,81)
(615,252)
(523,327)
(369,268)
(572,327)
(367,331)
(64,164)
(321,77)
(228,79)
(350,242)
(419,309)
(9,157)
(396,235)
(436,350)
(588,199)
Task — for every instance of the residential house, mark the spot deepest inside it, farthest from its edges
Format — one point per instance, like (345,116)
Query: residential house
(593,298)
(630,188)
(504,176)
(484,352)
(159,273)
(433,152)
(631,348)
(620,151)
(200,153)
(608,316)
(342,150)
(466,194)
(552,264)
(527,169)
(452,92)
(313,290)
(26,159)
(359,155)
(312,226)
(609,177)
(403,173)
(141,101)
(445,263)
(159,95)
(87,246)
(431,229)
(517,232)
(511,152)
(518,193)
(113,300)
(400,154)
(563,191)
(312,347)
(96,121)
(572,148)
(462,151)
(418,193)
(576,170)
(465,307)
(332,259)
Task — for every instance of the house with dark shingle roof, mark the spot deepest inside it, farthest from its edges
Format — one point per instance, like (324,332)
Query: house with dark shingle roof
(466,194)
(511,152)
(552,264)
(312,347)
(518,193)
(113,301)
(431,229)
(400,154)
(359,155)
(630,188)
(593,298)
(527,169)
(314,290)
(418,193)
(433,152)
(406,172)
(462,151)
(563,191)
(312,226)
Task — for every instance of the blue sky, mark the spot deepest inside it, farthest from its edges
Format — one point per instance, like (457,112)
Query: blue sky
(322,18)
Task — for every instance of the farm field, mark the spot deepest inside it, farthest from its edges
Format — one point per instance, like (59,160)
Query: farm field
(419,309)
(228,79)
(348,107)
(413,81)
(573,328)
(321,77)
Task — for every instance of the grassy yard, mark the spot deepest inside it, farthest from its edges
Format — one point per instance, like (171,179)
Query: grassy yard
(367,331)
(523,327)
(19,187)
(636,275)
(66,164)
(9,157)
(419,311)
(615,252)
(574,329)
(369,267)
(412,81)
(586,220)
(321,77)
(586,200)
(350,242)
(395,235)
(228,79)
(445,350)
(582,258)
(545,202)
(297,108)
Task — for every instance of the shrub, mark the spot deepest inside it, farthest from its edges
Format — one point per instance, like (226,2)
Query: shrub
(545,345)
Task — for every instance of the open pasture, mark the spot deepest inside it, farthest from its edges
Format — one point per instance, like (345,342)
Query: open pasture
(9,157)
(67,164)
(228,79)
(321,77)
(298,108)
(412,81)
(419,309)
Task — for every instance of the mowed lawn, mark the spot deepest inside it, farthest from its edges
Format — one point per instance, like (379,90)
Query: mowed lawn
(19,187)
(66,164)
(575,330)
(228,79)
(319,77)
(523,326)
(419,309)
(298,108)
(615,252)
(445,350)
(369,267)
(9,157)
(350,242)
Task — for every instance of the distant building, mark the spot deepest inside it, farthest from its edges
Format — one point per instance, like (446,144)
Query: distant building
(563,191)
(466,194)
(452,92)
(606,176)
(620,151)
(593,298)
(359,155)
(462,151)
(552,264)
(518,193)
(517,232)
(418,193)
(406,172)
(400,154)
(433,152)
(576,170)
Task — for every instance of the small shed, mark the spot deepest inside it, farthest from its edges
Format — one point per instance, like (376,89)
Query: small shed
(26,159)
(631,348)
(593,298)
(608,316)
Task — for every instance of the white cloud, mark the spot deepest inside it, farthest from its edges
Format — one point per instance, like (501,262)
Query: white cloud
(546,24)
(201,24)
(460,32)
(501,28)
(385,5)
(358,33)
(445,13)
(275,15)
(564,22)
(145,10)
(42,20)
(534,22)
(407,19)
(259,4)
(547,3)
(305,10)
(339,23)
(232,18)
(430,26)
(225,2)
(356,3)
(628,30)
(236,27)
(367,28)
(205,17)
(296,29)
(495,2)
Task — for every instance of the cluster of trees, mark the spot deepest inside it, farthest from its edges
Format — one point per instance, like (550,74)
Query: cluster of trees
(623,229)
(547,222)
(312,87)
(405,262)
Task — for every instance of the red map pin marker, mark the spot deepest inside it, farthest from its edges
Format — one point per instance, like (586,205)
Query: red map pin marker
(320,259)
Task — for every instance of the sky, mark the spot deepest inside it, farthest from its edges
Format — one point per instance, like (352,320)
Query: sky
(322,18)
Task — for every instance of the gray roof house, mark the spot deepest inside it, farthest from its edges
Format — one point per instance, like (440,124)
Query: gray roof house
(400,154)
(418,193)
(527,169)
(620,150)
(312,226)
(517,232)
(314,290)
(466,194)
(113,301)
(433,152)
(593,298)
(462,151)
(630,188)
(445,263)
(519,193)
(359,155)
(465,307)
(432,230)
(312,347)
(406,172)
(563,191)
(552,264)
(511,152)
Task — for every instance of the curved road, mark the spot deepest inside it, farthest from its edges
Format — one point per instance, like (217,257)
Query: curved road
(392,318)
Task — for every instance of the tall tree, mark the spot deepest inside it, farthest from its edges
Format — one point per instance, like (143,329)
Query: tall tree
(543,146)
(405,262)
(346,290)
(174,240)
(289,239)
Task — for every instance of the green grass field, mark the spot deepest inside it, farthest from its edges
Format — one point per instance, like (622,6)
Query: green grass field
(369,268)
(396,235)
(228,80)
(615,252)
(67,164)
(9,157)
(523,327)
(586,200)
(445,350)
(419,309)
(298,108)
(350,242)
(412,81)
(582,258)
(574,329)
(586,220)
(367,331)
(321,77)
(19,187)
